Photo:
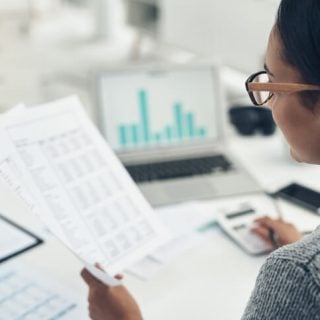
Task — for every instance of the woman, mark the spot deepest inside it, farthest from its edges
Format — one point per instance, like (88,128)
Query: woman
(288,286)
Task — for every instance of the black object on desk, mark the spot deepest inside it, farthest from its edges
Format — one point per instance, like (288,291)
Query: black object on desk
(300,195)
(15,240)
(251,120)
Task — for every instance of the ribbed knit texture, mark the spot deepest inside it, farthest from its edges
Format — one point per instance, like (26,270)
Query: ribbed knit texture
(288,285)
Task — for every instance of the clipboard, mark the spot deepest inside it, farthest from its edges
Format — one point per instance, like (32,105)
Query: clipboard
(15,240)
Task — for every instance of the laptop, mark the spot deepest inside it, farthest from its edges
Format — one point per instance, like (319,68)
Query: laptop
(166,125)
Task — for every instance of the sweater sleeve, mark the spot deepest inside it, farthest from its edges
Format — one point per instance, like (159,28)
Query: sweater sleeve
(284,290)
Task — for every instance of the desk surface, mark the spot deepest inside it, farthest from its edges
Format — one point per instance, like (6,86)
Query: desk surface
(213,279)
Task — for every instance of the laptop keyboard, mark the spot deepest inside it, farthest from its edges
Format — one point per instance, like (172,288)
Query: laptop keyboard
(179,168)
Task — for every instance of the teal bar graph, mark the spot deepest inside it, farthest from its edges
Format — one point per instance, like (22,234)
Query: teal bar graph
(202,132)
(168,133)
(182,128)
(122,135)
(134,134)
(179,120)
(158,137)
(190,125)
(144,114)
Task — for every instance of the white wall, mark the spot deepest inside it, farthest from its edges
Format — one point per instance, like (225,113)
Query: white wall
(8,6)
(232,31)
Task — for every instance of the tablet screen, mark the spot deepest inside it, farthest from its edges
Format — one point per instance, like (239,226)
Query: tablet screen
(15,239)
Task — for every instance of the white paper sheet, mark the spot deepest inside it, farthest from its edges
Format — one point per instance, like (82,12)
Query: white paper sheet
(12,173)
(11,167)
(18,109)
(145,268)
(27,293)
(84,194)
(182,219)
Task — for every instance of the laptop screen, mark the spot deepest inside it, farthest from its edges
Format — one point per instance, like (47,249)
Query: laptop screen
(148,109)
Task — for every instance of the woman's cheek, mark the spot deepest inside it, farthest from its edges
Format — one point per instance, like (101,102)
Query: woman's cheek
(294,156)
(275,106)
(284,122)
(276,112)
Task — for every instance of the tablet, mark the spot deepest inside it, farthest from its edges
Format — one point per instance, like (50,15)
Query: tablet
(14,239)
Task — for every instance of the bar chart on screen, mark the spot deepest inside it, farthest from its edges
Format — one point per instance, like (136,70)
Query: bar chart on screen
(182,127)
(158,109)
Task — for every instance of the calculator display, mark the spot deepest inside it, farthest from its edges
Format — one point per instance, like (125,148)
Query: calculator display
(241,213)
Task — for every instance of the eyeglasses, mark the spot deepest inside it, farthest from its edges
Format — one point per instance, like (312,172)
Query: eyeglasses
(261,90)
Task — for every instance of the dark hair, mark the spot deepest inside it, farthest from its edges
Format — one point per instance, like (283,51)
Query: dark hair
(298,24)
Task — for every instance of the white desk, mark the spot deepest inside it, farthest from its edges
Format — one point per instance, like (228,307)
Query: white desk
(211,281)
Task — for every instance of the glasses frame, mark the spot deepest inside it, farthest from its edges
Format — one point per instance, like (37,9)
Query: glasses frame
(274,87)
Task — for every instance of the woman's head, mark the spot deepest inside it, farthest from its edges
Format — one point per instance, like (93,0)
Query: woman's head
(298,25)
(293,56)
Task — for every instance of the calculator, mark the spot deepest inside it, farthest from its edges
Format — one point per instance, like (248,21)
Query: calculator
(237,224)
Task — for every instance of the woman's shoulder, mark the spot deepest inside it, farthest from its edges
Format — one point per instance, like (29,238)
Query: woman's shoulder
(303,255)
(303,251)
(288,285)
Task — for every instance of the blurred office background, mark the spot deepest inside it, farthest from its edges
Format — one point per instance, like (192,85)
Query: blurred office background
(53,48)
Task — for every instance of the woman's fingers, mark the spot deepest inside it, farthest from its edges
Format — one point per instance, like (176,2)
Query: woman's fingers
(267,222)
(285,232)
(117,276)
(262,232)
(88,277)
(99,266)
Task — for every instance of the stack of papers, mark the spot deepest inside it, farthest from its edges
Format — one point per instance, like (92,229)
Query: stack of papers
(54,159)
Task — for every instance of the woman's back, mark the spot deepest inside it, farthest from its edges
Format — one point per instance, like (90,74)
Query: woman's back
(288,286)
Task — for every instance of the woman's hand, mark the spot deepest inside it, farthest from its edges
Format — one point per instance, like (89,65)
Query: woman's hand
(110,303)
(284,233)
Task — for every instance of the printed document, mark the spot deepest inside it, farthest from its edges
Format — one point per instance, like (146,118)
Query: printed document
(12,171)
(79,187)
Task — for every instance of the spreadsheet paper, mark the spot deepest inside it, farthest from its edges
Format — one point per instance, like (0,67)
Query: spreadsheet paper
(80,188)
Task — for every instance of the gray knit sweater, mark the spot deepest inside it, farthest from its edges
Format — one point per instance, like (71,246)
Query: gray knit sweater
(288,286)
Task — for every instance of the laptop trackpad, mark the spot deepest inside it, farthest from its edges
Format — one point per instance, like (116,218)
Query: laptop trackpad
(179,190)
(189,189)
